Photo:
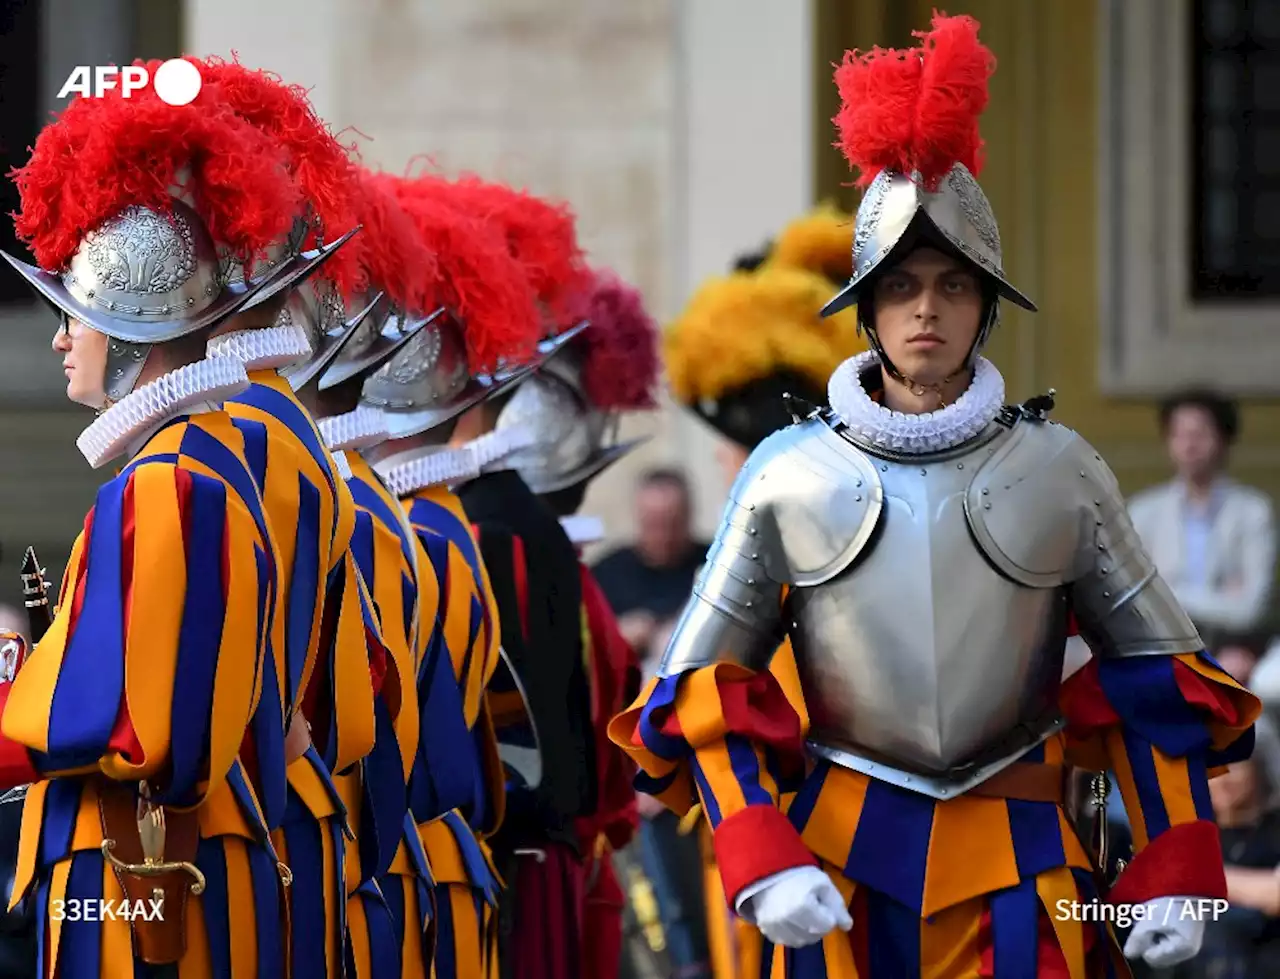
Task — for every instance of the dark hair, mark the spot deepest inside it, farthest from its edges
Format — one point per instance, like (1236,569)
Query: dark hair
(1224,411)
(667,476)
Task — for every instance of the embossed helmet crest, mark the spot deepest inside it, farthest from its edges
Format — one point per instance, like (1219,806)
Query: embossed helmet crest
(909,124)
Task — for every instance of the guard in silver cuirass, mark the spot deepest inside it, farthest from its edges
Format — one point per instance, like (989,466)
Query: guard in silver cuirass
(928,549)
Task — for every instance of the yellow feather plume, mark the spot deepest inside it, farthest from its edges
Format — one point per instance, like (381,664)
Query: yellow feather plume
(747,326)
(820,241)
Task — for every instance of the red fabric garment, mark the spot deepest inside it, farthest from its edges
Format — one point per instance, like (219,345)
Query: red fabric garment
(602,912)
(612,662)
(546,941)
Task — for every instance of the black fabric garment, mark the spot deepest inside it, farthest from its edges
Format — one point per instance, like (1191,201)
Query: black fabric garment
(630,585)
(548,659)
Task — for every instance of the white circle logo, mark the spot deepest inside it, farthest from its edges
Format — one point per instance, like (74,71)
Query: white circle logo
(177,82)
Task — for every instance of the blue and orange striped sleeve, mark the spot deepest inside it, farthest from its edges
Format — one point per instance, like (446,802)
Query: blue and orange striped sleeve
(1162,724)
(732,739)
(153,665)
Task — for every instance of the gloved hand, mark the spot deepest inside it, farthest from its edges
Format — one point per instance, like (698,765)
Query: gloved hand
(1166,934)
(794,908)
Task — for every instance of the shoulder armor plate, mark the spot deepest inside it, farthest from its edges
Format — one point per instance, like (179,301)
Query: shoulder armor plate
(1033,502)
(813,498)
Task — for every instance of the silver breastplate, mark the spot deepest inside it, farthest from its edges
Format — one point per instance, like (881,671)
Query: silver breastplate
(922,655)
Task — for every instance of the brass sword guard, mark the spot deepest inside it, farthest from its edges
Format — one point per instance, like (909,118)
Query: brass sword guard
(151,833)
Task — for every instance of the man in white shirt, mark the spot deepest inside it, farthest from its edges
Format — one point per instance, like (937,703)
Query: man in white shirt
(1212,538)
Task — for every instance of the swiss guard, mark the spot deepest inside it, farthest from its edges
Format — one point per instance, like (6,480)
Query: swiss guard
(352,335)
(926,548)
(534,570)
(481,314)
(334,661)
(144,717)
(576,405)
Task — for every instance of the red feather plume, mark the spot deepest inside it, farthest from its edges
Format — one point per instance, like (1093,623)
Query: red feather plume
(541,236)
(321,166)
(102,155)
(916,110)
(395,258)
(477,279)
(619,349)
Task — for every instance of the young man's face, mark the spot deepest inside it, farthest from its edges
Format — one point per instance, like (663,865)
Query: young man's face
(928,310)
(1194,442)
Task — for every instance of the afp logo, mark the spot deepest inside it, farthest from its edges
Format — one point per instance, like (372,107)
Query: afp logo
(176,82)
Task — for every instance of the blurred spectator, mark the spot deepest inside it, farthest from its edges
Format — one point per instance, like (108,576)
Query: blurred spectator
(649,582)
(1244,943)
(1212,538)
(1239,653)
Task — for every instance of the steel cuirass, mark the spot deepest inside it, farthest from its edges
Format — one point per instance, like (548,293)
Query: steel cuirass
(927,596)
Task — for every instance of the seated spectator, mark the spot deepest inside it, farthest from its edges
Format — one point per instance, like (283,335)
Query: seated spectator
(1212,538)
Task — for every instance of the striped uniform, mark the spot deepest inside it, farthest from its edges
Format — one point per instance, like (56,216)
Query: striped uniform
(456,791)
(334,659)
(395,569)
(967,886)
(152,670)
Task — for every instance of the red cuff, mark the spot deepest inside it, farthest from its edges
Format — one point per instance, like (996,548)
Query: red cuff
(756,843)
(1183,861)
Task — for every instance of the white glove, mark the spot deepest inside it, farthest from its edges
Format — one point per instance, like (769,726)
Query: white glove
(1166,934)
(794,908)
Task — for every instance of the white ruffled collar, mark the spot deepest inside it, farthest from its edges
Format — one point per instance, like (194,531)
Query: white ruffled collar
(935,431)
(269,348)
(492,448)
(427,465)
(357,429)
(125,427)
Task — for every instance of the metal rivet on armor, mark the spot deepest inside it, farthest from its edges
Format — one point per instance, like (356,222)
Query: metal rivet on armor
(986,492)
(884,469)
(1082,474)
(924,472)
(755,556)
(858,498)
(1106,594)
(751,506)
(1097,523)
(1106,571)
(751,581)
(858,483)
(1097,503)
(1101,547)
(752,532)
(749,604)
(986,506)
(959,465)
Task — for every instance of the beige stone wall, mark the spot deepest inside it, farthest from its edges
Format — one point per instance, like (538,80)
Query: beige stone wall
(678,130)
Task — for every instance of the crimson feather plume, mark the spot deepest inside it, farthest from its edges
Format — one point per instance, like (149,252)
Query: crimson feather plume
(916,111)
(619,350)
(541,236)
(103,155)
(477,279)
(395,258)
(319,164)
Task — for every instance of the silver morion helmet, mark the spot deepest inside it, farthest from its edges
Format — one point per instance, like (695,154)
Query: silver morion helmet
(573,440)
(145,277)
(897,213)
